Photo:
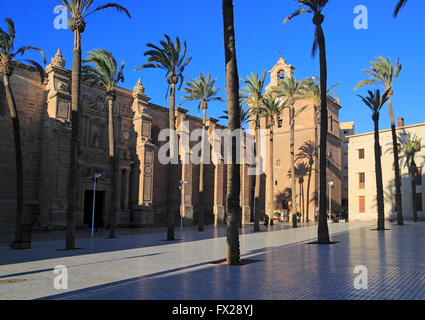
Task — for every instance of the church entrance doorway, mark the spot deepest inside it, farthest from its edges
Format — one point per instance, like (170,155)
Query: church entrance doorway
(99,207)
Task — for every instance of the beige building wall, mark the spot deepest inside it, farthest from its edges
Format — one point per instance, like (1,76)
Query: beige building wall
(367,166)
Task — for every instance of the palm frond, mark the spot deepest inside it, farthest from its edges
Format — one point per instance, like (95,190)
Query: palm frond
(398,7)
(115,6)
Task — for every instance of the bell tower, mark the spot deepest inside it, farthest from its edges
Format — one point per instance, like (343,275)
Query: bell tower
(280,71)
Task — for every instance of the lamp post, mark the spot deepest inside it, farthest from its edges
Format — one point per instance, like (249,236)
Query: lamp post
(330,183)
(96,176)
(181,183)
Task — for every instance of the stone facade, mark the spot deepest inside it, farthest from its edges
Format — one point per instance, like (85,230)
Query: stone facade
(44,111)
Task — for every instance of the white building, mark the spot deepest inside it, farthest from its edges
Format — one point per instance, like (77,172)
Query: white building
(362,181)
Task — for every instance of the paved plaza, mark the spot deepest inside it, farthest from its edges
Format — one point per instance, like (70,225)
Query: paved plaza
(284,265)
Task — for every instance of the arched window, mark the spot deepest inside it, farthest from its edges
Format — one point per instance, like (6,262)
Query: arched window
(280,75)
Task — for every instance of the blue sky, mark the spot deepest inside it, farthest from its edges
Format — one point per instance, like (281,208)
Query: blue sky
(260,34)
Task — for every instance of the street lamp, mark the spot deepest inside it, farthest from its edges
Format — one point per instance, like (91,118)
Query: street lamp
(181,183)
(96,176)
(330,183)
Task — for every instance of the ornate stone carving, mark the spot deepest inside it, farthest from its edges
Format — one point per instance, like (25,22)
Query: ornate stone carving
(139,89)
(57,60)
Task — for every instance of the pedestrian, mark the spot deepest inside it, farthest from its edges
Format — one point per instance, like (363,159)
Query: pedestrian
(266,221)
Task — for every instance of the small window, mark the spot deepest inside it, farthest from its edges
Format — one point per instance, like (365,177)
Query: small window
(345,131)
(279,122)
(277,163)
(362,180)
(361,153)
(280,75)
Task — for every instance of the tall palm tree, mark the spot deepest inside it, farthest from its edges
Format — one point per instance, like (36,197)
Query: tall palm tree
(233,170)
(291,90)
(271,109)
(202,89)
(383,73)
(79,11)
(8,55)
(311,90)
(410,146)
(375,102)
(253,96)
(398,7)
(170,57)
(316,7)
(307,152)
(244,120)
(101,68)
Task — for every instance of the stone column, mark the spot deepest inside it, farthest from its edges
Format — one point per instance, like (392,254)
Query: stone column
(143,210)
(186,206)
(118,176)
(245,188)
(126,188)
(56,137)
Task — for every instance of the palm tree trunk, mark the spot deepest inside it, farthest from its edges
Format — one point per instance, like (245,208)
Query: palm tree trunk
(301,201)
(308,190)
(412,170)
(171,183)
(378,170)
(233,170)
(292,150)
(270,194)
(323,231)
(75,128)
(399,207)
(18,158)
(112,159)
(201,176)
(257,181)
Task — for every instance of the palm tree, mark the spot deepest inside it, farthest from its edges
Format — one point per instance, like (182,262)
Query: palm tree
(301,170)
(7,58)
(398,7)
(307,152)
(316,7)
(253,96)
(244,120)
(310,90)
(410,146)
(271,109)
(291,90)
(383,73)
(106,73)
(169,57)
(233,170)
(202,89)
(79,11)
(375,102)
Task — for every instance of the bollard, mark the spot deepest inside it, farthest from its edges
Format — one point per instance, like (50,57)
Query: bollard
(294,220)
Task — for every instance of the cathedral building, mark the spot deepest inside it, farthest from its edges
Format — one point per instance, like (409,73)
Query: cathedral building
(142,181)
